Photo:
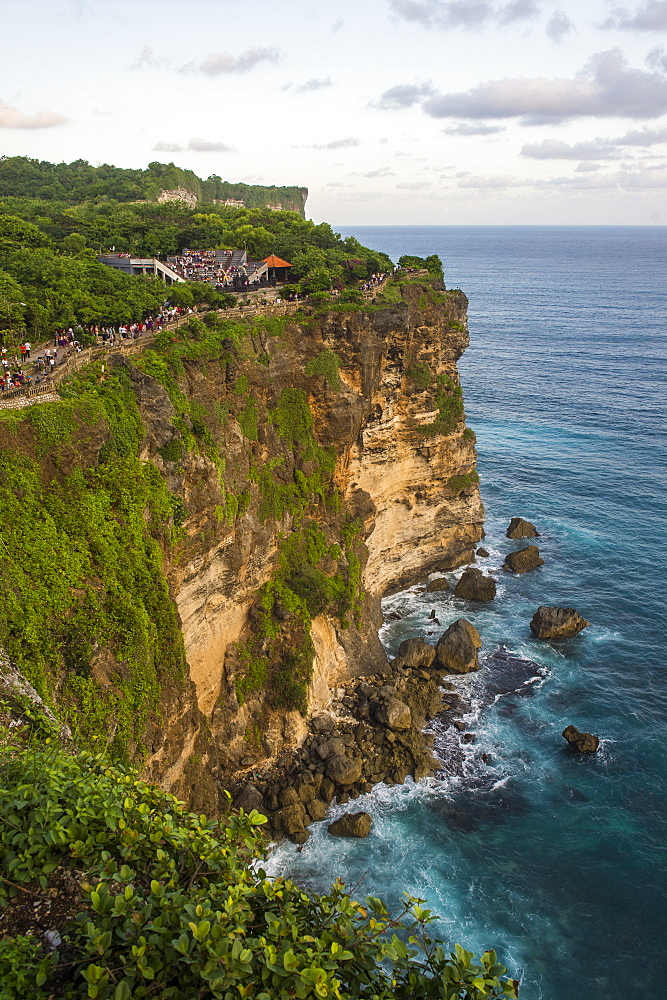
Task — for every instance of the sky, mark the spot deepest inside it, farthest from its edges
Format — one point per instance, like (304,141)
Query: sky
(391,112)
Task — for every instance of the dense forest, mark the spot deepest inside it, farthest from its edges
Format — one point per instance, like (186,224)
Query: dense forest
(50,275)
(80,181)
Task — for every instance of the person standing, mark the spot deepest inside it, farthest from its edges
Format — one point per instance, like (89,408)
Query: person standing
(28,348)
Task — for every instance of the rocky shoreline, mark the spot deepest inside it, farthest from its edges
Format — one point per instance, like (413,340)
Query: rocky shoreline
(373,731)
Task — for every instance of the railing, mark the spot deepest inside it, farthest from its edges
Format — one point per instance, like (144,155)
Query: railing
(27,390)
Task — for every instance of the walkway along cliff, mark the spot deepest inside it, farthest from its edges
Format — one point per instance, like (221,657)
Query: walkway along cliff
(195,539)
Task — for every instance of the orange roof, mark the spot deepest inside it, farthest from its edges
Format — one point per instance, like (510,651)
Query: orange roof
(274,261)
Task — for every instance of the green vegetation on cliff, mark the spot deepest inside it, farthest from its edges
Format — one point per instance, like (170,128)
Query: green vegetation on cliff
(85,610)
(50,276)
(154,901)
(76,182)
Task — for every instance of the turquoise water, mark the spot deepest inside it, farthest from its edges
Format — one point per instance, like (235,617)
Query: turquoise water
(558,860)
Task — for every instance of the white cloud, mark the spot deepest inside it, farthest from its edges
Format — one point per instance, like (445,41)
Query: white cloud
(403,95)
(643,137)
(586,168)
(195,145)
(11,117)
(594,149)
(472,128)
(652,16)
(204,146)
(148,60)
(463,13)
(496,181)
(559,26)
(217,63)
(337,144)
(314,84)
(168,147)
(605,87)
(657,59)
(554,149)
(379,172)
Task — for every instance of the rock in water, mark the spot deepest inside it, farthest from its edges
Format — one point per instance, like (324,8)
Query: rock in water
(519,528)
(557,623)
(440,583)
(416,653)
(523,560)
(583,742)
(351,825)
(474,586)
(482,553)
(457,649)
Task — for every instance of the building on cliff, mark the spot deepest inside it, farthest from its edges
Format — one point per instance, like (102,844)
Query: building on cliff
(128,264)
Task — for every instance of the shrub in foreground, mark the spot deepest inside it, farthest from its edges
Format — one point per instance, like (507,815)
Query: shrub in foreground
(174,905)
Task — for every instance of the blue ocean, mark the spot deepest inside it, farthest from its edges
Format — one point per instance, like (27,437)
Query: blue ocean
(557,860)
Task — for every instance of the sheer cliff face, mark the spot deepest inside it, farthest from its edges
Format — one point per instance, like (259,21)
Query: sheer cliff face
(311,464)
(404,475)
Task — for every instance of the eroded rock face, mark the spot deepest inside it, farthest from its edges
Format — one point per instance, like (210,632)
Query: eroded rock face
(583,742)
(351,825)
(458,647)
(557,623)
(520,528)
(523,560)
(408,490)
(474,586)
(439,584)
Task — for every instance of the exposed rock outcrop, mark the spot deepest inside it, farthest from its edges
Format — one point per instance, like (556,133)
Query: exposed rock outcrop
(583,742)
(439,584)
(520,528)
(557,623)
(458,647)
(351,825)
(523,560)
(474,586)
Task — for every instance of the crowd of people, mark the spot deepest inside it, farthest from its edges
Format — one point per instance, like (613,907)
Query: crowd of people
(226,270)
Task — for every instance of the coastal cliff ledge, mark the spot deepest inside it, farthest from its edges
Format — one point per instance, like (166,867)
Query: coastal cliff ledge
(204,528)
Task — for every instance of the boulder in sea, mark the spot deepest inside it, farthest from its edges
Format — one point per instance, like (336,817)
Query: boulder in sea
(351,825)
(583,742)
(416,653)
(523,560)
(482,553)
(440,583)
(520,528)
(457,648)
(474,586)
(557,623)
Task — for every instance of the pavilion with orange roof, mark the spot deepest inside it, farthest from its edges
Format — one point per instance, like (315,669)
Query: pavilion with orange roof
(277,267)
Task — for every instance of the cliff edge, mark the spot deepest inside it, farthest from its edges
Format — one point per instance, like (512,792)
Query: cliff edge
(202,529)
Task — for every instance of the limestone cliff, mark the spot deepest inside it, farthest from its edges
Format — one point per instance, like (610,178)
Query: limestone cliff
(310,465)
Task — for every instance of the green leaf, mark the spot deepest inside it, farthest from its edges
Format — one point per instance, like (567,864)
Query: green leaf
(122,991)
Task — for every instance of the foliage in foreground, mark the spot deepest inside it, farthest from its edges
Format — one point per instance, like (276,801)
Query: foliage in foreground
(173,905)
